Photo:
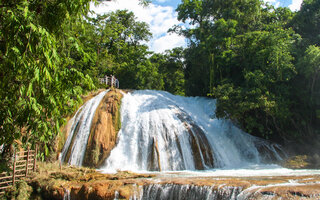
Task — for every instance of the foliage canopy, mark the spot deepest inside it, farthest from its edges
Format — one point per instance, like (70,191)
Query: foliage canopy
(259,62)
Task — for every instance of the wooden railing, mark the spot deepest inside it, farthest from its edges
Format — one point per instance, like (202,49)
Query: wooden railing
(110,80)
(23,162)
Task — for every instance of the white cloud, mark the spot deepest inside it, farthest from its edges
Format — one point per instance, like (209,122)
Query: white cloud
(159,18)
(168,41)
(275,3)
(270,1)
(295,5)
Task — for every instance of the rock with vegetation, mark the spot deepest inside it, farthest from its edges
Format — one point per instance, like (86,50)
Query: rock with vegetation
(51,182)
(104,129)
(65,130)
(20,191)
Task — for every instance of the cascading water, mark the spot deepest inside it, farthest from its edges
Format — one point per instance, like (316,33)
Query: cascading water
(179,192)
(66,195)
(75,146)
(164,132)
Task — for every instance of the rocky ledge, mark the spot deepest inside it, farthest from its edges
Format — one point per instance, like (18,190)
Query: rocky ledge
(84,183)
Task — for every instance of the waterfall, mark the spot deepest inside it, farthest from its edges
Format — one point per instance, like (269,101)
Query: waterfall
(191,192)
(164,132)
(75,145)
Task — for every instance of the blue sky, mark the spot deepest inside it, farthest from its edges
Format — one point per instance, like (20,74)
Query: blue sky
(174,3)
(161,15)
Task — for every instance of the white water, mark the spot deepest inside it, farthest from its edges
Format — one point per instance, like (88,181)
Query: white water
(177,192)
(251,171)
(158,126)
(66,195)
(216,192)
(81,130)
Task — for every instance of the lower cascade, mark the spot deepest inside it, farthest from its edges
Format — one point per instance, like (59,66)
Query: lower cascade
(163,132)
(179,192)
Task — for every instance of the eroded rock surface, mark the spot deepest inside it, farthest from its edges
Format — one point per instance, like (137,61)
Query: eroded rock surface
(104,128)
(83,183)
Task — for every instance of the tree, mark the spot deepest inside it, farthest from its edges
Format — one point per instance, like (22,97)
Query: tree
(247,55)
(171,67)
(306,22)
(118,41)
(256,94)
(305,92)
(38,84)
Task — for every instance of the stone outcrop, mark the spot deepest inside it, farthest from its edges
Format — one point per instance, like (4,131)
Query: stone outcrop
(53,183)
(201,149)
(104,129)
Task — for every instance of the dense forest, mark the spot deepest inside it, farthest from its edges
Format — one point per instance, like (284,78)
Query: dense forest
(261,63)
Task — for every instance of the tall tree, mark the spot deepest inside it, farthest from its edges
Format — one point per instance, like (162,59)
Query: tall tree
(38,86)
(171,67)
(307,22)
(118,42)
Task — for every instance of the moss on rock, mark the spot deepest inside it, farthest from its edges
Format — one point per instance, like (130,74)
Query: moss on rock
(104,129)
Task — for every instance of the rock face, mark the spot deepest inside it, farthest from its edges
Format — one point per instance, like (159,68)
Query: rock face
(199,143)
(104,128)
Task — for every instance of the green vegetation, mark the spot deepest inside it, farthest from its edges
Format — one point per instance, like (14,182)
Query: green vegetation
(21,191)
(38,83)
(114,41)
(261,63)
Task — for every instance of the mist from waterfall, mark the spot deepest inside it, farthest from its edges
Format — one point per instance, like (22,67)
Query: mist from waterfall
(164,132)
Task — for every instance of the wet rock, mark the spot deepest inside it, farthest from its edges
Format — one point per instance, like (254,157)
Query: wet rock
(104,129)
(154,156)
(270,152)
(201,149)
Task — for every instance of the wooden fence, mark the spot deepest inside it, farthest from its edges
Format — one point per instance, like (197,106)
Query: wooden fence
(110,80)
(23,162)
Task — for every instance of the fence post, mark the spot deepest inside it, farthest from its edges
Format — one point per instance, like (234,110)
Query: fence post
(14,167)
(111,80)
(27,162)
(35,158)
